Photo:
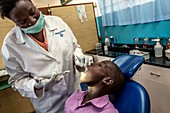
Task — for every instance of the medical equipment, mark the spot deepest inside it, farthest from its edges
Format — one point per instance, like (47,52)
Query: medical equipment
(146,55)
(80,60)
(83,60)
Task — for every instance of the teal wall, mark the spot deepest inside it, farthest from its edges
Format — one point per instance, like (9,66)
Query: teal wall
(125,34)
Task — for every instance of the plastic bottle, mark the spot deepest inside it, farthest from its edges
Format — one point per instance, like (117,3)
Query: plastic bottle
(107,44)
(168,43)
(136,42)
(112,41)
(158,49)
(145,43)
(107,41)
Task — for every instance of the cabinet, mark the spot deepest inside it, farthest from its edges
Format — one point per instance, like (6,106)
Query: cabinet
(12,102)
(156,80)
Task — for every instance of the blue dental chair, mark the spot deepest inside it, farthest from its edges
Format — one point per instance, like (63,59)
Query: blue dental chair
(133,98)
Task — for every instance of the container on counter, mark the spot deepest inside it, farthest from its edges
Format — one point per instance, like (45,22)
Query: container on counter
(168,43)
(107,41)
(145,43)
(158,48)
(136,42)
(112,41)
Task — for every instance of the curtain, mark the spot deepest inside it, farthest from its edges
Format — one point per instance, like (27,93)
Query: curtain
(125,12)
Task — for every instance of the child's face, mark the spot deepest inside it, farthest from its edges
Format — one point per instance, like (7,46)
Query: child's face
(96,72)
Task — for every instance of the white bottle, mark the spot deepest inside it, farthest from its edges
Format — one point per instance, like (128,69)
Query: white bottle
(106,45)
(107,41)
(158,49)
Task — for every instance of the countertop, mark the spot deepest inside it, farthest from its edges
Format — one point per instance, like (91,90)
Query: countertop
(162,62)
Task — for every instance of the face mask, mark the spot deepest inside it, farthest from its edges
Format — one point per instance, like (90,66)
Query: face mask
(37,27)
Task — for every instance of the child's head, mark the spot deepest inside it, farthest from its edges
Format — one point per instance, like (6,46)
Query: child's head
(104,74)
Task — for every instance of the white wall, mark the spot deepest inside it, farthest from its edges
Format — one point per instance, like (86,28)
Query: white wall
(82,1)
(97,11)
(45,3)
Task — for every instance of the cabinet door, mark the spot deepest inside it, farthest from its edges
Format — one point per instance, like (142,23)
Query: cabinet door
(156,80)
(12,102)
(156,73)
(159,95)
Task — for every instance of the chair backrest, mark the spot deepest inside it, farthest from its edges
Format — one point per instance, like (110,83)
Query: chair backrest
(133,98)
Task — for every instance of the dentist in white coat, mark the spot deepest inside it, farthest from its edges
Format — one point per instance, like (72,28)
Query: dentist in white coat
(35,54)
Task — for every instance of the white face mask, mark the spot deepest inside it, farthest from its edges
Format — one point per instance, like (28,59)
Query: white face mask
(37,27)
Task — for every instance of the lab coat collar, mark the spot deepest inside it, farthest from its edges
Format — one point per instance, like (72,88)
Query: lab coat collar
(22,39)
(20,35)
(51,26)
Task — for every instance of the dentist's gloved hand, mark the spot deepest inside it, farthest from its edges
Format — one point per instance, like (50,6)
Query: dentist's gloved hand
(48,82)
(81,61)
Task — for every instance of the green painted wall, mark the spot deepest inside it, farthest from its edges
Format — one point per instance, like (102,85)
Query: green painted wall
(125,34)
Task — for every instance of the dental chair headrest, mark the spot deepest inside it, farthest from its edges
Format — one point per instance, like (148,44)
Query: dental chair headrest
(129,64)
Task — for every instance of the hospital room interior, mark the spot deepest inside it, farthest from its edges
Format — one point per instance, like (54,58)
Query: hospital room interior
(133,34)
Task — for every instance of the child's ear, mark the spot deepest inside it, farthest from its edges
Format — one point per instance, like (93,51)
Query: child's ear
(108,80)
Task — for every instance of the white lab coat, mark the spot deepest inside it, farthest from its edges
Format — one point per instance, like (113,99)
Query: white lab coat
(23,59)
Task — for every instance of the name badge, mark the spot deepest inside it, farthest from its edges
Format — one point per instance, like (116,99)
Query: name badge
(61,33)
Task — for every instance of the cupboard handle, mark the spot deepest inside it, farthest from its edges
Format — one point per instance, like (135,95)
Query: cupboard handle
(155,74)
(139,69)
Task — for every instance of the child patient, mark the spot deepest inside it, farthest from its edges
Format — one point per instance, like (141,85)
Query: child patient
(102,78)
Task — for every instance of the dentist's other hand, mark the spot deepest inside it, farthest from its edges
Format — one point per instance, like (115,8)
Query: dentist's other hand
(47,82)
(55,78)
